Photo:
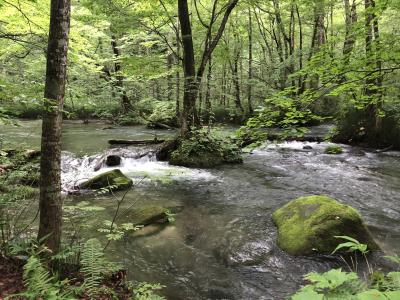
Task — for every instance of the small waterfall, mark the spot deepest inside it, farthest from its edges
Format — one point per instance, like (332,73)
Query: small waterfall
(138,163)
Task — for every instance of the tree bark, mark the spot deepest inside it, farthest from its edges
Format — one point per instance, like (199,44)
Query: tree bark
(193,79)
(119,77)
(50,204)
(190,84)
(250,84)
(350,20)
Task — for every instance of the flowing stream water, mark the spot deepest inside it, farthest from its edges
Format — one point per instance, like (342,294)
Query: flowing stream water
(222,243)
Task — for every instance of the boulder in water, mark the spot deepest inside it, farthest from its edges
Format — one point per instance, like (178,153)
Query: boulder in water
(113,160)
(114,179)
(149,215)
(309,225)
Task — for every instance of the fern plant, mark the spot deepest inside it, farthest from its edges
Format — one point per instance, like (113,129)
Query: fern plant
(40,284)
(94,265)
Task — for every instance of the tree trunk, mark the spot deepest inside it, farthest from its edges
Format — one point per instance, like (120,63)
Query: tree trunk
(249,84)
(125,103)
(190,85)
(350,20)
(50,204)
(192,78)
(178,76)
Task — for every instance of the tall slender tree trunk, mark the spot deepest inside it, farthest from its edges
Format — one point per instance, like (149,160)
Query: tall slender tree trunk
(119,77)
(250,83)
(192,78)
(350,21)
(170,60)
(190,84)
(50,204)
(373,84)
(178,76)
(236,81)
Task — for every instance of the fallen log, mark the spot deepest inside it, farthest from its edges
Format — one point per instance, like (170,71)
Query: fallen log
(136,142)
(384,150)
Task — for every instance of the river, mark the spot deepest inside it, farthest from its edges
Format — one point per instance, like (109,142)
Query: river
(222,243)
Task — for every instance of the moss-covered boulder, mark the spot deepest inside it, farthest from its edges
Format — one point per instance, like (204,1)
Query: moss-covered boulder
(149,215)
(309,225)
(204,149)
(114,179)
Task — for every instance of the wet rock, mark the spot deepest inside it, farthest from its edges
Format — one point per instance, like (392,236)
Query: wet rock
(309,225)
(307,147)
(356,152)
(30,154)
(113,160)
(149,215)
(114,179)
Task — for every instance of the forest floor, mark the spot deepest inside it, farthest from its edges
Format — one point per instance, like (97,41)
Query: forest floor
(11,281)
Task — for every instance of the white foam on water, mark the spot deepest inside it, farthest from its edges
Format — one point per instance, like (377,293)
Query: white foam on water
(76,170)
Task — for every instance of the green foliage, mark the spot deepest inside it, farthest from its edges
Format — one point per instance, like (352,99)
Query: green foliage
(170,216)
(40,284)
(336,284)
(334,149)
(146,291)
(130,119)
(94,266)
(351,245)
(115,232)
(163,113)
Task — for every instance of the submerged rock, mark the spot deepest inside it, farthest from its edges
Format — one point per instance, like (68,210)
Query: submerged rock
(113,160)
(149,215)
(114,179)
(309,225)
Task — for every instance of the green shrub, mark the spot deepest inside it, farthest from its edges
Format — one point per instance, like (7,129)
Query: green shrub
(337,284)
(163,113)
(130,119)
(334,149)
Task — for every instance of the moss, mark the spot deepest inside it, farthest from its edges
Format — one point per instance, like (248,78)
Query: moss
(114,178)
(334,149)
(204,149)
(149,215)
(309,225)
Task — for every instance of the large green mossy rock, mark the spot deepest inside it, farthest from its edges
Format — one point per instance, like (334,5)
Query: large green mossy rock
(203,149)
(114,179)
(149,215)
(309,225)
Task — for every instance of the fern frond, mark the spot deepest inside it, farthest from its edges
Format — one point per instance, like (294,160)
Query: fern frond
(40,283)
(94,266)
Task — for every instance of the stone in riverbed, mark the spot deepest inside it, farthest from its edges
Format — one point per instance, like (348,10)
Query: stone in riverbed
(309,225)
(113,160)
(149,215)
(114,178)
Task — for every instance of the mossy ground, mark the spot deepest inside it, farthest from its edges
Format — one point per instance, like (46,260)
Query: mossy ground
(309,225)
